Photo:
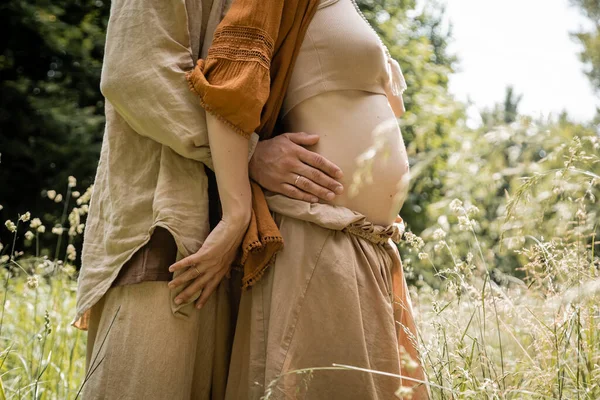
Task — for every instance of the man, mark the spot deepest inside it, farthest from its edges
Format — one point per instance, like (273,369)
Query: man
(150,207)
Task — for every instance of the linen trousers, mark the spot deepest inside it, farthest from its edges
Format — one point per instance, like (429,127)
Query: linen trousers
(335,294)
(138,348)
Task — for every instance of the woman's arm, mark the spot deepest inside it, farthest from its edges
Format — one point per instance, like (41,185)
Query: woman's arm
(210,264)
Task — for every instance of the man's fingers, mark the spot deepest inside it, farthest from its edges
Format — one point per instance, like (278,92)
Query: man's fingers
(302,138)
(325,182)
(306,185)
(319,162)
(292,191)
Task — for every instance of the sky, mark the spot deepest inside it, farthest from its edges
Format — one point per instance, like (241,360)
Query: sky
(524,43)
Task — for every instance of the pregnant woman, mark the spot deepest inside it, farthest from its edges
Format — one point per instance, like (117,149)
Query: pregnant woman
(335,293)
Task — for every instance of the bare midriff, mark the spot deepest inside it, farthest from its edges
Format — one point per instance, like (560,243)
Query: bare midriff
(354,125)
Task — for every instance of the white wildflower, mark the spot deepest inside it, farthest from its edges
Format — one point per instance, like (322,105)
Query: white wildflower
(32,281)
(1,207)
(71,252)
(68,269)
(80,228)
(51,194)
(4,259)
(25,217)
(85,198)
(58,198)
(74,219)
(29,235)
(58,230)
(1,246)
(472,211)
(456,206)
(404,392)
(35,223)
(464,223)
(469,257)
(439,245)
(439,234)
(413,240)
(41,229)
(423,256)
(75,194)
(72,181)
(10,225)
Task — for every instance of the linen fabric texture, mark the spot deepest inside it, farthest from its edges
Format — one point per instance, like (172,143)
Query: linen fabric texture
(338,295)
(139,349)
(155,149)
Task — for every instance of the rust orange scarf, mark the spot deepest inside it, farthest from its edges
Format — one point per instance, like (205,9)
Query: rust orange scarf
(243,81)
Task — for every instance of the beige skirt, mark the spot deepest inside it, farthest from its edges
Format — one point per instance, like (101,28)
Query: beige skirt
(336,294)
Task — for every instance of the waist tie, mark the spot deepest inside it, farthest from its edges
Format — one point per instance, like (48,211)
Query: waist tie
(336,218)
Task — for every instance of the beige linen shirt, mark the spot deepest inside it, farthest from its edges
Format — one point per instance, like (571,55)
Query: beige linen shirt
(155,145)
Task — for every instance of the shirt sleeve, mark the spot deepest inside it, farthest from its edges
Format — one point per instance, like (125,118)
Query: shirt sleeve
(252,145)
(234,80)
(147,55)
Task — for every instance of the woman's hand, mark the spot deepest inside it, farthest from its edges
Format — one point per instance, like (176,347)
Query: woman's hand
(211,263)
(208,266)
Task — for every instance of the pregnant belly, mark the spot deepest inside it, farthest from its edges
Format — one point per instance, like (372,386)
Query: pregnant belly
(359,133)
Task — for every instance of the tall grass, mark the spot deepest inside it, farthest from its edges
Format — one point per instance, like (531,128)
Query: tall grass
(506,289)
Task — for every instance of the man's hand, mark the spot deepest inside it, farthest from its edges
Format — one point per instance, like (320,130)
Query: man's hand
(283,165)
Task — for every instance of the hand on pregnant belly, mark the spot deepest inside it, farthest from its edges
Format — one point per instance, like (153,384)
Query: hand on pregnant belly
(360,134)
(283,165)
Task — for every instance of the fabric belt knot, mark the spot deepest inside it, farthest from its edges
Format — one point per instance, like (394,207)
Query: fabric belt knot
(376,234)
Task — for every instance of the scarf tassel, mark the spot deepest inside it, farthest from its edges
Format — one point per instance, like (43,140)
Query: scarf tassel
(396,82)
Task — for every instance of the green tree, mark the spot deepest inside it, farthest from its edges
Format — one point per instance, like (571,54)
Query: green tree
(51,110)
(504,113)
(590,39)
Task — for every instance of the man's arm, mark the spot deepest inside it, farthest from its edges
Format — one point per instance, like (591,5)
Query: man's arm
(143,77)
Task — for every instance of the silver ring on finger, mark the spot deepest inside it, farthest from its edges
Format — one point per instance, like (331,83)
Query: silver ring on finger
(296,181)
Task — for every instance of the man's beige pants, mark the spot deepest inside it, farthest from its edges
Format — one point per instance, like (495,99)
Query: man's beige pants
(335,295)
(139,349)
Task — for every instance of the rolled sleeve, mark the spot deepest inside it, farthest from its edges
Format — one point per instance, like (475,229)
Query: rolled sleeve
(147,56)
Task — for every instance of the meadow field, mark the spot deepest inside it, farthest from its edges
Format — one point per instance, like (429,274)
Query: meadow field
(505,281)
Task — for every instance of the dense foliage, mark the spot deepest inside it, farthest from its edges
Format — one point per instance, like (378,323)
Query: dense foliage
(501,246)
(590,39)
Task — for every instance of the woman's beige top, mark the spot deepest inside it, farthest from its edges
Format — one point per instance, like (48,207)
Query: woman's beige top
(340,51)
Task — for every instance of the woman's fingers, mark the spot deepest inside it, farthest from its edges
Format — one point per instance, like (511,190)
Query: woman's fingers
(185,262)
(192,273)
(194,287)
(211,286)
